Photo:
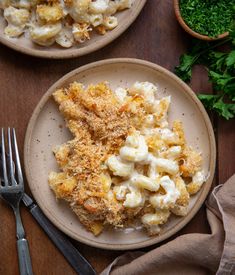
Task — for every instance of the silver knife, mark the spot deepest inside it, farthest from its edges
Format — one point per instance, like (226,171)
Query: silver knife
(76,260)
(70,252)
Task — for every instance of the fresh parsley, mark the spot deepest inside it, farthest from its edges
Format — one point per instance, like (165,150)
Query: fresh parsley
(208,17)
(221,72)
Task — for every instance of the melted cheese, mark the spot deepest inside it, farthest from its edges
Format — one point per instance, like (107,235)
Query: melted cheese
(167,200)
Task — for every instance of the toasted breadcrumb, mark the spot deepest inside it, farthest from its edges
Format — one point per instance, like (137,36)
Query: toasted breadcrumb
(99,128)
(101,30)
(183,199)
(193,188)
(62,184)
(49,14)
(192,162)
(178,129)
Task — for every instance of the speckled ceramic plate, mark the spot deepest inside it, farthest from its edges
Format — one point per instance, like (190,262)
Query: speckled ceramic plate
(47,129)
(24,45)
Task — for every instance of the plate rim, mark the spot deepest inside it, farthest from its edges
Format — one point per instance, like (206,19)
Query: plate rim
(59,54)
(212,163)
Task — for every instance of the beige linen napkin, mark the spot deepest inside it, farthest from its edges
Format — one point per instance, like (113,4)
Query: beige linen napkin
(195,253)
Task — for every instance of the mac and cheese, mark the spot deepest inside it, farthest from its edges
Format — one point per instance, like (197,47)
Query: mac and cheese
(125,164)
(65,22)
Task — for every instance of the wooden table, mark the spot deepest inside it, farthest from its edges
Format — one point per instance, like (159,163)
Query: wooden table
(154,36)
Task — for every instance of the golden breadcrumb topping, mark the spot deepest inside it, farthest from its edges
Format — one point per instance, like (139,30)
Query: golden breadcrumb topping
(49,14)
(183,199)
(192,162)
(99,128)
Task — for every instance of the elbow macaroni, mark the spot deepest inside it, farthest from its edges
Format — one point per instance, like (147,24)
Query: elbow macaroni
(45,35)
(17,19)
(145,89)
(167,200)
(121,94)
(148,174)
(152,221)
(135,149)
(96,19)
(119,167)
(81,32)
(110,22)
(197,181)
(99,6)
(143,182)
(65,38)
(76,18)
(133,199)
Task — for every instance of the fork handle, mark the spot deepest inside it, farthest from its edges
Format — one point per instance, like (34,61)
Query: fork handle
(24,257)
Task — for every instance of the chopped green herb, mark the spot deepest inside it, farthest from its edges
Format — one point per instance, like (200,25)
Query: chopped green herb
(208,17)
(221,72)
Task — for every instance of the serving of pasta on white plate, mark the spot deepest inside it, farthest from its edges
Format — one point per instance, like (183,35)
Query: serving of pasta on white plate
(62,22)
(126,165)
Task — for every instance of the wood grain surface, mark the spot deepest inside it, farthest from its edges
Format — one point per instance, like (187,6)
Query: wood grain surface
(154,36)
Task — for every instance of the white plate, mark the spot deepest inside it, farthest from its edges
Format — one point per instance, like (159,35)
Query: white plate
(47,128)
(24,45)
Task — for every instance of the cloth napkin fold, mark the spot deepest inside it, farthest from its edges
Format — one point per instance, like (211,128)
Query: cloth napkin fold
(195,253)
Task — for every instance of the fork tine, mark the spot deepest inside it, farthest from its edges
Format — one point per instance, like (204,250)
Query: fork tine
(18,166)
(13,181)
(4,168)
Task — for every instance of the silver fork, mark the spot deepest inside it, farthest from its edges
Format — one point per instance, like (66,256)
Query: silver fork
(12,192)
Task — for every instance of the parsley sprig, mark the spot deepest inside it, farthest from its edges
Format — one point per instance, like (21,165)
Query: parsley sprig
(221,72)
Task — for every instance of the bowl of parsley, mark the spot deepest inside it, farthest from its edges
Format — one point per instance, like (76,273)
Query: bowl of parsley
(205,19)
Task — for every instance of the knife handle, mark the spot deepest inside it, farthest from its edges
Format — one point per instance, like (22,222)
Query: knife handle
(76,260)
